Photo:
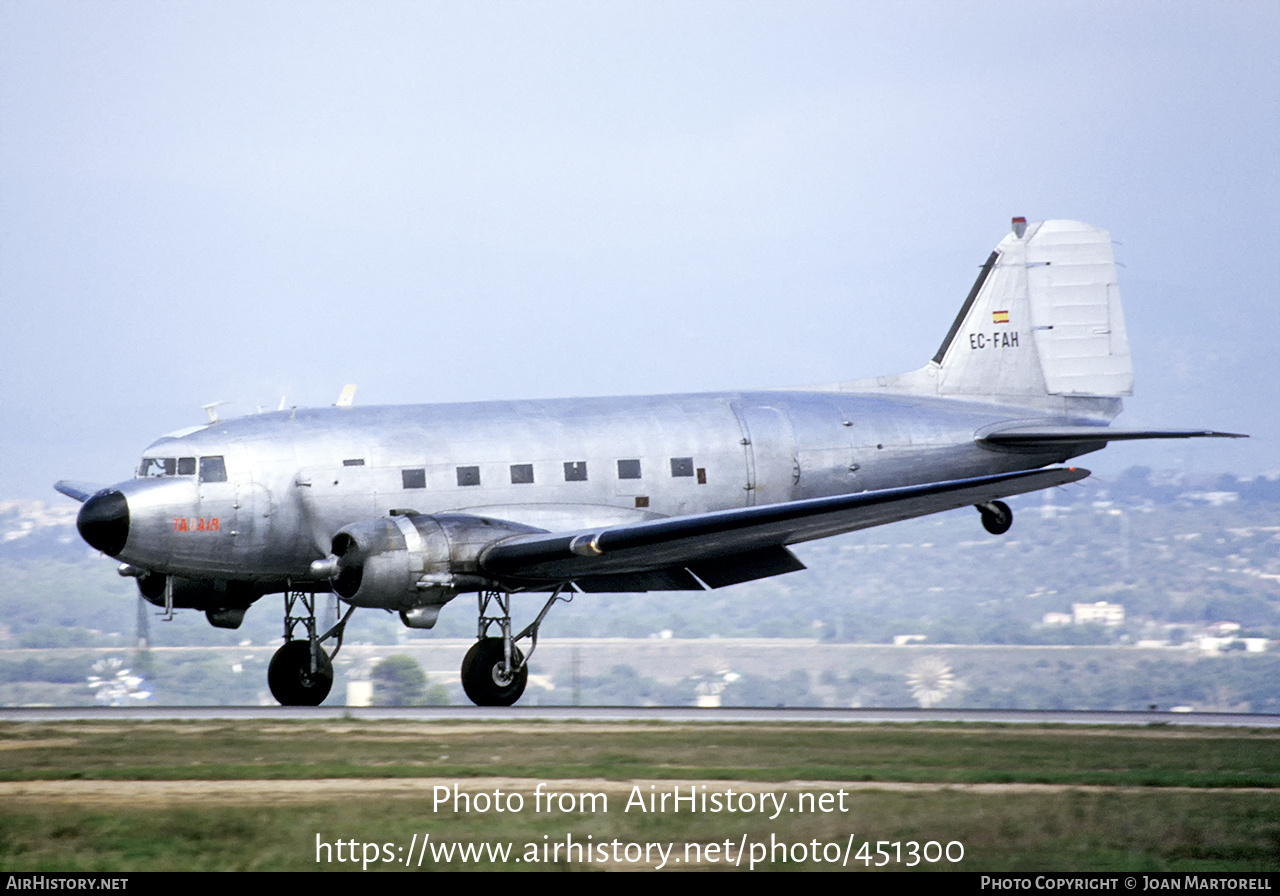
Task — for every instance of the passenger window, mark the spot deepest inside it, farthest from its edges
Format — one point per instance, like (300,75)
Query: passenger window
(186,466)
(414,478)
(521,474)
(575,471)
(468,475)
(628,469)
(212,470)
(353,462)
(681,466)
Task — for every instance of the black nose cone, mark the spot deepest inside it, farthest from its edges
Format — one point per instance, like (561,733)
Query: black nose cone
(104,521)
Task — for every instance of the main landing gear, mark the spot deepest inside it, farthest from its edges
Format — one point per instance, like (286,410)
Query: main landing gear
(301,672)
(494,671)
(996,517)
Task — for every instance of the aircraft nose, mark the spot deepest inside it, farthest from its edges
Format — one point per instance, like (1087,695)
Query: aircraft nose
(104,521)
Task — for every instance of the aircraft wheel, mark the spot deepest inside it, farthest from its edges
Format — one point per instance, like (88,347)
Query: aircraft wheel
(290,678)
(996,517)
(485,680)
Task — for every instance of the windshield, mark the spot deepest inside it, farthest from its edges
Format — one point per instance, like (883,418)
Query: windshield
(211,468)
(162,466)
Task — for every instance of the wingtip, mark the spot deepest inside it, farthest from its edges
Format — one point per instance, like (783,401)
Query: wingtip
(80,491)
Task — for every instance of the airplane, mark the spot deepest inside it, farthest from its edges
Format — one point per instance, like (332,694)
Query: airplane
(404,508)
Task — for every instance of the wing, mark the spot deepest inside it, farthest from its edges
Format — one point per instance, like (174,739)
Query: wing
(81,491)
(731,546)
(1030,435)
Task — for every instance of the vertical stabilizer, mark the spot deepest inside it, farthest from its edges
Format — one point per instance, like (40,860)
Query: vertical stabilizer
(1044,318)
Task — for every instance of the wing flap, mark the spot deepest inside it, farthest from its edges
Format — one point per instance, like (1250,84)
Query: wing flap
(700,575)
(673,579)
(736,568)
(724,545)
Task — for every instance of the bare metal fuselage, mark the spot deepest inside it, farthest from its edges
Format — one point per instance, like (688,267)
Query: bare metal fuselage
(296,477)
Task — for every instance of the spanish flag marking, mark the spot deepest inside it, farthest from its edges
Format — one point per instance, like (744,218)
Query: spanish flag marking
(999,317)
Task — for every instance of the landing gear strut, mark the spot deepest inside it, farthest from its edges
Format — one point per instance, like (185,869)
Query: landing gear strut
(301,672)
(996,517)
(494,671)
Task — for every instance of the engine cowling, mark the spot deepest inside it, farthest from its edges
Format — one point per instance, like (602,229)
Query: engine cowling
(412,562)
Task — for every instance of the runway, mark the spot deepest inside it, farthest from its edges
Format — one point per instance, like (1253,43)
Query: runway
(683,714)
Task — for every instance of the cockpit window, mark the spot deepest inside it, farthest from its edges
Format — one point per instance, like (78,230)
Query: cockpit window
(166,466)
(157,466)
(212,469)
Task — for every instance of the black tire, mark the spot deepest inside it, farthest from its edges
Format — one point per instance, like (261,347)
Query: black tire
(482,678)
(290,679)
(998,519)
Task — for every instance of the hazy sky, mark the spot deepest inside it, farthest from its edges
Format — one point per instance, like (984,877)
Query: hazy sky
(466,200)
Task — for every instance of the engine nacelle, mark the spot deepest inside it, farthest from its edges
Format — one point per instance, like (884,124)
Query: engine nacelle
(412,562)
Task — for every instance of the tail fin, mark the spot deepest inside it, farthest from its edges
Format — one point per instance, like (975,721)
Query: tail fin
(1043,321)
(1044,318)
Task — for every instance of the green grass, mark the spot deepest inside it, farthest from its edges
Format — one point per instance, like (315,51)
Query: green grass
(1126,798)
(1159,757)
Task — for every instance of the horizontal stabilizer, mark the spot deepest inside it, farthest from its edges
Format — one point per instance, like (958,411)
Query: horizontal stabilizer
(1040,436)
(81,491)
(745,543)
